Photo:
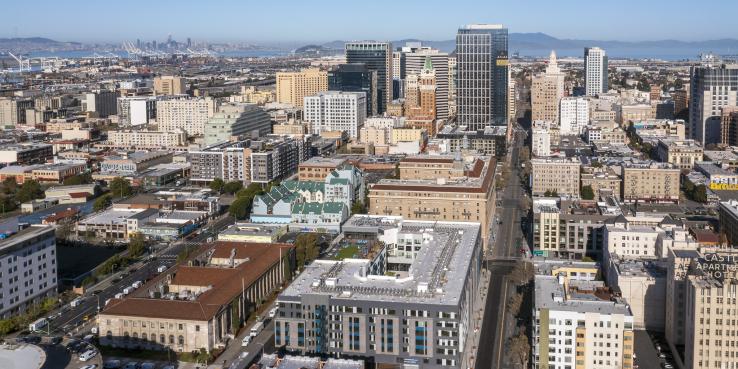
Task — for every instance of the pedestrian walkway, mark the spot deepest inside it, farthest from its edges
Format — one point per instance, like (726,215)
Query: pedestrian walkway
(472,339)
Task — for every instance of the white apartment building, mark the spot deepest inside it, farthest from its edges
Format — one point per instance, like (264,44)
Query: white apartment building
(595,71)
(28,269)
(144,139)
(573,115)
(541,139)
(336,111)
(188,114)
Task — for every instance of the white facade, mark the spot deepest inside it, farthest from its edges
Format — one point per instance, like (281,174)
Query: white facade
(148,139)
(541,140)
(336,111)
(188,114)
(28,262)
(595,71)
(631,241)
(573,115)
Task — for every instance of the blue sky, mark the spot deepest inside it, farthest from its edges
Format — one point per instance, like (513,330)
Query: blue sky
(268,21)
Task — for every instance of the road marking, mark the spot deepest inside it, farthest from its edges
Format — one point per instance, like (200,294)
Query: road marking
(501,323)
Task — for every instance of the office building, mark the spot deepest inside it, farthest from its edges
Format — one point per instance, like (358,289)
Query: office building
(377,56)
(490,141)
(188,114)
(356,78)
(13,111)
(573,115)
(25,153)
(421,91)
(292,87)
(547,89)
(169,85)
(336,111)
(580,324)
(102,103)
(555,175)
(682,153)
(197,306)
(713,87)
(595,71)
(416,61)
(236,121)
(143,139)
(30,255)
(482,76)
(420,314)
(729,126)
(650,182)
(728,211)
(442,188)
(136,110)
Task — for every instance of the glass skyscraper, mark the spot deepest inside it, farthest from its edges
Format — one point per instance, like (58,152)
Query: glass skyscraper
(356,77)
(482,76)
(378,57)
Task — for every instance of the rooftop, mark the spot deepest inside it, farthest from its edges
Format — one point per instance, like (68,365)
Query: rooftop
(18,240)
(587,297)
(118,216)
(321,162)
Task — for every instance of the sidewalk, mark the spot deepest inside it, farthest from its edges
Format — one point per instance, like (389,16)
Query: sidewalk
(472,339)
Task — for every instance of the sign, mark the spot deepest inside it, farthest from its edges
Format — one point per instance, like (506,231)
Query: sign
(543,253)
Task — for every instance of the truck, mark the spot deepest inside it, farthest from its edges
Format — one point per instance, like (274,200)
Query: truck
(137,284)
(38,325)
(76,302)
(256,329)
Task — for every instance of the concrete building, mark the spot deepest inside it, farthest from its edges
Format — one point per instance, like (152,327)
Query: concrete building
(136,110)
(642,283)
(604,132)
(728,211)
(317,168)
(189,114)
(626,113)
(603,181)
(132,163)
(422,314)
(421,93)
(143,139)
(595,71)
(541,139)
(650,182)
(490,141)
(573,115)
(114,224)
(25,153)
(651,130)
(547,89)
(30,255)
(292,87)
(169,85)
(102,102)
(416,60)
(712,87)
(440,188)
(682,153)
(560,175)
(189,308)
(236,121)
(729,125)
(335,111)
(377,56)
(14,111)
(580,324)
(356,78)
(482,76)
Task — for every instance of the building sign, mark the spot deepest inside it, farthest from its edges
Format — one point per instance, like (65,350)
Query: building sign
(718,266)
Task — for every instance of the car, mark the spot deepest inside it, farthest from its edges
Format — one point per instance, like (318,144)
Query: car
(147,365)
(111,364)
(33,339)
(96,292)
(245,341)
(667,366)
(87,355)
(273,312)
(117,279)
(56,340)
(131,365)
(91,366)
(71,343)
(88,338)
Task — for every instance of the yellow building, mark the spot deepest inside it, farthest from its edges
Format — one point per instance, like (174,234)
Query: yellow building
(292,87)
(169,85)
(408,135)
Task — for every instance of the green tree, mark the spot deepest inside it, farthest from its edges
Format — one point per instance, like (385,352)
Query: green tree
(120,187)
(136,245)
(84,178)
(588,193)
(240,207)
(232,187)
(102,202)
(7,203)
(217,185)
(358,208)
(700,193)
(30,190)
(308,244)
(9,185)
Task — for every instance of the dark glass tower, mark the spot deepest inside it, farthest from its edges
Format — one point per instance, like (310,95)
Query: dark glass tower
(378,57)
(356,77)
(482,76)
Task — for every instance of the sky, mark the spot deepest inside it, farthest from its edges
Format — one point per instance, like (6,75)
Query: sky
(298,21)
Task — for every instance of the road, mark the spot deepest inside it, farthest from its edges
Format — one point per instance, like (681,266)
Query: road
(71,319)
(508,232)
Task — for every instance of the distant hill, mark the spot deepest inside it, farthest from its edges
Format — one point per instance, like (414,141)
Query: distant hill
(25,44)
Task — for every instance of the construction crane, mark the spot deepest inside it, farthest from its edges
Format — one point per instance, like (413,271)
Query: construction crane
(23,64)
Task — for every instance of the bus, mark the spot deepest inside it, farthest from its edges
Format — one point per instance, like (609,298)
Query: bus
(38,325)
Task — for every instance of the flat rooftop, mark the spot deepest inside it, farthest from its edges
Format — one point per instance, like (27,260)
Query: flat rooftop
(18,240)
(251,229)
(117,216)
(436,276)
(550,294)
(321,162)
(630,267)
(478,178)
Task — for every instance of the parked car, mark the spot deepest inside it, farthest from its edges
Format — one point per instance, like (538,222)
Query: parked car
(87,355)
(131,365)
(56,340)
(246,340)
(111,364)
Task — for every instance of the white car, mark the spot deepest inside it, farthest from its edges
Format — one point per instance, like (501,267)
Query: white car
(273,312)
(87,355)
(246,340)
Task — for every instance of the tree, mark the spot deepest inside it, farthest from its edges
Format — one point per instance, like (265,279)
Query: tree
(64,229)
(358,208)
(30,190)
(519,347)
(232,187)
(84,178)
(136,245)
(588,193)
(700,193)
(120,187)
(217,185)
(7,203)
(9,185)
(306,248)
(102,202)
(514,304)
(522,273)
(240,207)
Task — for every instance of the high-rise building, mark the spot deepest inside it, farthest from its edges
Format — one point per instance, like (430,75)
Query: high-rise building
(452,85)
(595,71)
(190,115)
(13,111)
(712,88)
(336,111)
(378,57)
(136,110)
(481,76)
(169,85)
(103,103)
(421,90)
(292,87)
(356,78)
(546,91)
(417,60)
(573,115)
(235,120)
(729,126)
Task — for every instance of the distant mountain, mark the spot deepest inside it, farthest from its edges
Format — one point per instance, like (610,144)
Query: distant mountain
(541,44)
(317,50)
(26,44)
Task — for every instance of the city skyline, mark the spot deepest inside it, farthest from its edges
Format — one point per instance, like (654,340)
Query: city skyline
(301,22)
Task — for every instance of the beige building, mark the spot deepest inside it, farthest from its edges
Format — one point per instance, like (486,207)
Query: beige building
(188,308)
(631,113)
(408,135)
(317,168)
(682,153)
(546,91)
(189,114)
(133,139)
(251,95)
(650,182)
(169,85)
(604,181)
(560,175)
(292,87)
(439,188)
